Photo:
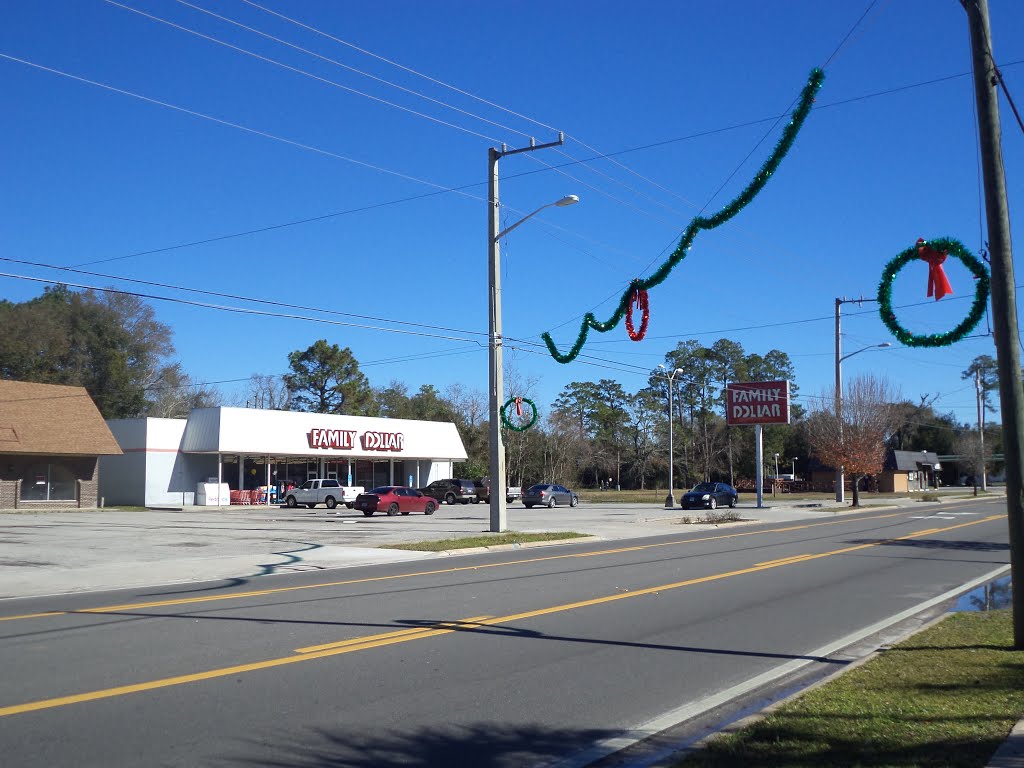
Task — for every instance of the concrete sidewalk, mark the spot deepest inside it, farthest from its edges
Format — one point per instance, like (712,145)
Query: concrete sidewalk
(46,553)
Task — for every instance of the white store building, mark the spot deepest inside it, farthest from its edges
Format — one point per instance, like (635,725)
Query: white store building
(168,461)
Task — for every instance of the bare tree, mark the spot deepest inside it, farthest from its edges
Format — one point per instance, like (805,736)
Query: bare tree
(268,391)
(174,395)
(855,442)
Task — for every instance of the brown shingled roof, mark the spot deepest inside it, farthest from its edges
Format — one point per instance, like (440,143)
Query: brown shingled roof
(52,419)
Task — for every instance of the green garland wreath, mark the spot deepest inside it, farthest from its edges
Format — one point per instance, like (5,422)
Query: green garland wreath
(508,424)
(953,248)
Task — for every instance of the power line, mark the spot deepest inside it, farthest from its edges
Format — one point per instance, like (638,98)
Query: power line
(472,96)
(302,72)
(239,127)
(237,297)
(352,69)
(442,189)
(238,310)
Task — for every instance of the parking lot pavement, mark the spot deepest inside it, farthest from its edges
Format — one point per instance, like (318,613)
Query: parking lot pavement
(43,553)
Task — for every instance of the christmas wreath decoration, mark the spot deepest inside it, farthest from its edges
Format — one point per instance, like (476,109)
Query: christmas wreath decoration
(934,252)
(518,402)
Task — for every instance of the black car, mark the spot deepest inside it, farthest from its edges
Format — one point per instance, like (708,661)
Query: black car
(709,496)
(451,491)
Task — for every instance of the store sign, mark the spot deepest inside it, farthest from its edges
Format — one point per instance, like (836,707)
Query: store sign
(345,440)
(338,439)
(383,441)
(757,402)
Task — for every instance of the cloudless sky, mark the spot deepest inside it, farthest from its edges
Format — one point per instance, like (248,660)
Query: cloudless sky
(679,92)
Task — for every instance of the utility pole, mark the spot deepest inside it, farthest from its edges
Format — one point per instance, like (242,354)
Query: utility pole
(496,381)
(1004,298)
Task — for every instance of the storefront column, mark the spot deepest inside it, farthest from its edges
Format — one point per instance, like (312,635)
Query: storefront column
(220,476)
(241,472)
(267,461)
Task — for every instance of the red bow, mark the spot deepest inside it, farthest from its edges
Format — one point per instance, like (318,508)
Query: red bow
(519,406)
(938,284)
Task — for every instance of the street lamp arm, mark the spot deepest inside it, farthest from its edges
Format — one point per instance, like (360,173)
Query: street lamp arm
(567,200)
(865,349)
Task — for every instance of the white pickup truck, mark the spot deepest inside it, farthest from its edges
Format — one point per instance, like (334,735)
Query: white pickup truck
(322,491)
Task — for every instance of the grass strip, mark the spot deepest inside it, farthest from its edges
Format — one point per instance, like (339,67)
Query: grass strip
(948,696)
(491,540)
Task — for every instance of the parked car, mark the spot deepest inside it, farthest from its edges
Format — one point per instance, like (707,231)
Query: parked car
(549,495)
(395,499)
(322,491)
(483,491)
(452,490)
(710,496)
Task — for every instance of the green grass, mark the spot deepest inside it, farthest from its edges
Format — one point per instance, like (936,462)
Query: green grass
(490,540)
(947,696)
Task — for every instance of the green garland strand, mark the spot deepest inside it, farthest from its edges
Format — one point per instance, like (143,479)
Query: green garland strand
(508,424)
(698,223)
(953,248)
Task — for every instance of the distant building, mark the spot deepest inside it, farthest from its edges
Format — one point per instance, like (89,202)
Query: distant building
(50,439)
(909,471)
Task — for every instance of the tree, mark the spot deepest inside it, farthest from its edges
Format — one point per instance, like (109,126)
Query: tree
(268,392)
(988,373)
(175,395)
(857,440)
(327,379)
(108,343)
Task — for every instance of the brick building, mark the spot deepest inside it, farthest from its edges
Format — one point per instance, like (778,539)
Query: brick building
(51,438)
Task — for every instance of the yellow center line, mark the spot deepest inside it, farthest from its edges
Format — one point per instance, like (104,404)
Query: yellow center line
(402,636)
(783,560)
(398,633)
(439,571)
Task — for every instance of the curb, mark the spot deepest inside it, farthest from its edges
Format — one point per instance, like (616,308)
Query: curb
(508,547)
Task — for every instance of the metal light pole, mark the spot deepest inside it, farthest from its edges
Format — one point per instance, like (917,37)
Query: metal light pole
(794,468)
(840,478)
(499,512)
(670,500)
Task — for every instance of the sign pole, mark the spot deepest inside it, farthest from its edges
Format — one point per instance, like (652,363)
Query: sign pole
(759,454)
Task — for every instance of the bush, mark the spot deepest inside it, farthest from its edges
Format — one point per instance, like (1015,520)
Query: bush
(714,518)
(930,497)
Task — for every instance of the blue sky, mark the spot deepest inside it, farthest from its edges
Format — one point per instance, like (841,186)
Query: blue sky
(680,92)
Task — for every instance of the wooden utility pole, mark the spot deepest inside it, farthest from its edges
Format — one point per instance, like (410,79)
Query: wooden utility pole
(1004,299)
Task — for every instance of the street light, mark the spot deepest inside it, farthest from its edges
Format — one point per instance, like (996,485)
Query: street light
(794,467)
(840,479)
(499,513)
(670,500)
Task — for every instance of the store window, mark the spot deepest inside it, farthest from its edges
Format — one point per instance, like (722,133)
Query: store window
(48,482)
(401,476)
(364,474)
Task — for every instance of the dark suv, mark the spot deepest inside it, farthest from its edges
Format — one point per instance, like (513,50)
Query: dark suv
(450,491)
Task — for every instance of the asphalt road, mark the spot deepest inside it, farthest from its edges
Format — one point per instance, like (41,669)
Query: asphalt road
(519,658)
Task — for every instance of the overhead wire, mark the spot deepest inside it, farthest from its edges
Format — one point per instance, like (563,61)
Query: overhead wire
(460,190)
(446,189)
(353,69)
(302,72)
(490,104)
(237,310)
(238,297)
(240,127)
